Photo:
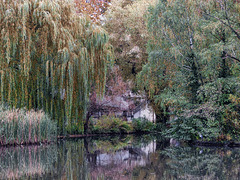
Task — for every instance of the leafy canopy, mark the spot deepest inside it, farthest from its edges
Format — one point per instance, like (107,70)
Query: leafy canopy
(193,65)
(50,57)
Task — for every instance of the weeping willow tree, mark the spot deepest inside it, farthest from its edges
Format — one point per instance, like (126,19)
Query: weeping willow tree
(50,58)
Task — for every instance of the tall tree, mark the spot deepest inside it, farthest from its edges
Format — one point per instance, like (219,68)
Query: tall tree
(125,22)
(172,53)
(193,65)
(50,57)
(127,26)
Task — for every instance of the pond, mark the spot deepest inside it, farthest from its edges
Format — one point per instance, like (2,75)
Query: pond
(120,158)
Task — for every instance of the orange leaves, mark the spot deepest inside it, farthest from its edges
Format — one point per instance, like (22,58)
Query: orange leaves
(93,8)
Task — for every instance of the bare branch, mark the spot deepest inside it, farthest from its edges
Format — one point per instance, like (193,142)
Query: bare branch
(232,57)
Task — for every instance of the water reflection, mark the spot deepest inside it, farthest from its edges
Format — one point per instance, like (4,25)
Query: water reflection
(31,161)
(116,158)
(203,163)
(121,158)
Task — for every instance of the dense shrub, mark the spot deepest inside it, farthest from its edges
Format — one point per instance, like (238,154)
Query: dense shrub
(25,127)
(110,124)
(142,125)
(74,128)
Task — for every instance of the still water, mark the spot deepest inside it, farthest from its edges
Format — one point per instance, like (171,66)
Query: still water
(119,158)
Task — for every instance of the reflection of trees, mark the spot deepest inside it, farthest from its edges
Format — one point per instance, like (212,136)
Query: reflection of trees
(186,162)
(191,163)
(154,170)
(106,158)
(72,162)
(91,159)
(143,140)
(22,162)
(115,158)
(63,161)
(78,159)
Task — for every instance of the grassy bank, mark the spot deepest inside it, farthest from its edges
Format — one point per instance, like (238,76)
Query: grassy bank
(25,127)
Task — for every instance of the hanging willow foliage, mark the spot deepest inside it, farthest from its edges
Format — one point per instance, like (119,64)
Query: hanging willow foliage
(50,57)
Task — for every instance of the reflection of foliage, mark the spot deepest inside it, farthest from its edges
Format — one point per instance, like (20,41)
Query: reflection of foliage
(144,140)
(187,162)
(109,143)
(71,160)
(108,146)
(114,143)
(190,163)
(63,161)
(74,162)
(28,161)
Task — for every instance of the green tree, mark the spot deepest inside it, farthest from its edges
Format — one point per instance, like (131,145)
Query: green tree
(125,22)
(220,58)
(50,58)
(193,63)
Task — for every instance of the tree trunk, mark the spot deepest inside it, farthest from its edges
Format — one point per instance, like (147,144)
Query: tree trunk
(86,124)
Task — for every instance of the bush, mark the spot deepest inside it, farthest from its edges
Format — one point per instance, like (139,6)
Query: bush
(25,127)
(73,128)
(192,128)
(110,124)
(142,125)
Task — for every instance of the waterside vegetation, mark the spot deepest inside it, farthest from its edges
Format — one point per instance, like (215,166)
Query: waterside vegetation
(114,125)
(18,127)
(56,66)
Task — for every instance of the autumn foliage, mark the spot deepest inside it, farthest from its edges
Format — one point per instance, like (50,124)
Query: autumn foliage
(49,58)
(93,8)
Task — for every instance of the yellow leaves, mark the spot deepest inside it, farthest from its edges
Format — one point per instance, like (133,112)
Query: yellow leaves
(130,16)
(234,99)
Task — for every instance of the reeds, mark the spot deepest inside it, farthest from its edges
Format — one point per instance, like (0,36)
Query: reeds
(25,127)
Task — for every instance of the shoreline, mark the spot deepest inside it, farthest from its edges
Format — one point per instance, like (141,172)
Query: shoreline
(45,142)
(229,144)
(102,134)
